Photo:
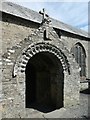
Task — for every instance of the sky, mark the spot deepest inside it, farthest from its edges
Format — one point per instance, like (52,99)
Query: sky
(72,12)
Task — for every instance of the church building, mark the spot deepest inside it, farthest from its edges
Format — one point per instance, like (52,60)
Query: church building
(45,62)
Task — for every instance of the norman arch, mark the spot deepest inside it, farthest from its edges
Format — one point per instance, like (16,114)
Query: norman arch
(43,47)
(44,66)
(56,71)
(80,57)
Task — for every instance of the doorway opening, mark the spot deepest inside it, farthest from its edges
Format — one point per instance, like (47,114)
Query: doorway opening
(44,82)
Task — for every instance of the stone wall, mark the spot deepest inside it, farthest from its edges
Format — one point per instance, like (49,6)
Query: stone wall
(18,36)
(70,42)
(14,30)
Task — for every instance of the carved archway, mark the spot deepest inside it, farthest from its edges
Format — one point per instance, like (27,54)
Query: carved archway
(61,64)
(44,47)
(33,49)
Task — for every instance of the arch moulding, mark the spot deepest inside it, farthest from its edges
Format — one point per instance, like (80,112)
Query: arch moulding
(35,48)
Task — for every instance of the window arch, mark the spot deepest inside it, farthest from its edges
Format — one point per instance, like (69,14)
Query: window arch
(79,53)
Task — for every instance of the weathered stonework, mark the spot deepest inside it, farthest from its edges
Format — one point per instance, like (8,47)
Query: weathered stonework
(70,42)
(11,27)
(27,44)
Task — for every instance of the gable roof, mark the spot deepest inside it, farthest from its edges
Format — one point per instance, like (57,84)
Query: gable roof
(28,14)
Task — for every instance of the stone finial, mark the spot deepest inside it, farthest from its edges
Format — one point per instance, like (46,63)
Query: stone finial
(46,17)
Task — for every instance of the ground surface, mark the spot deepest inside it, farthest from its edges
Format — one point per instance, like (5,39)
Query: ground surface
(78,111)
(81,110)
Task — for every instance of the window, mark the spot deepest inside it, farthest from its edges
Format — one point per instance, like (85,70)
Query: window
(80,57)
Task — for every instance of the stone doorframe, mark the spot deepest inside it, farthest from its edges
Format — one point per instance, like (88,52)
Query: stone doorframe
(29,52)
